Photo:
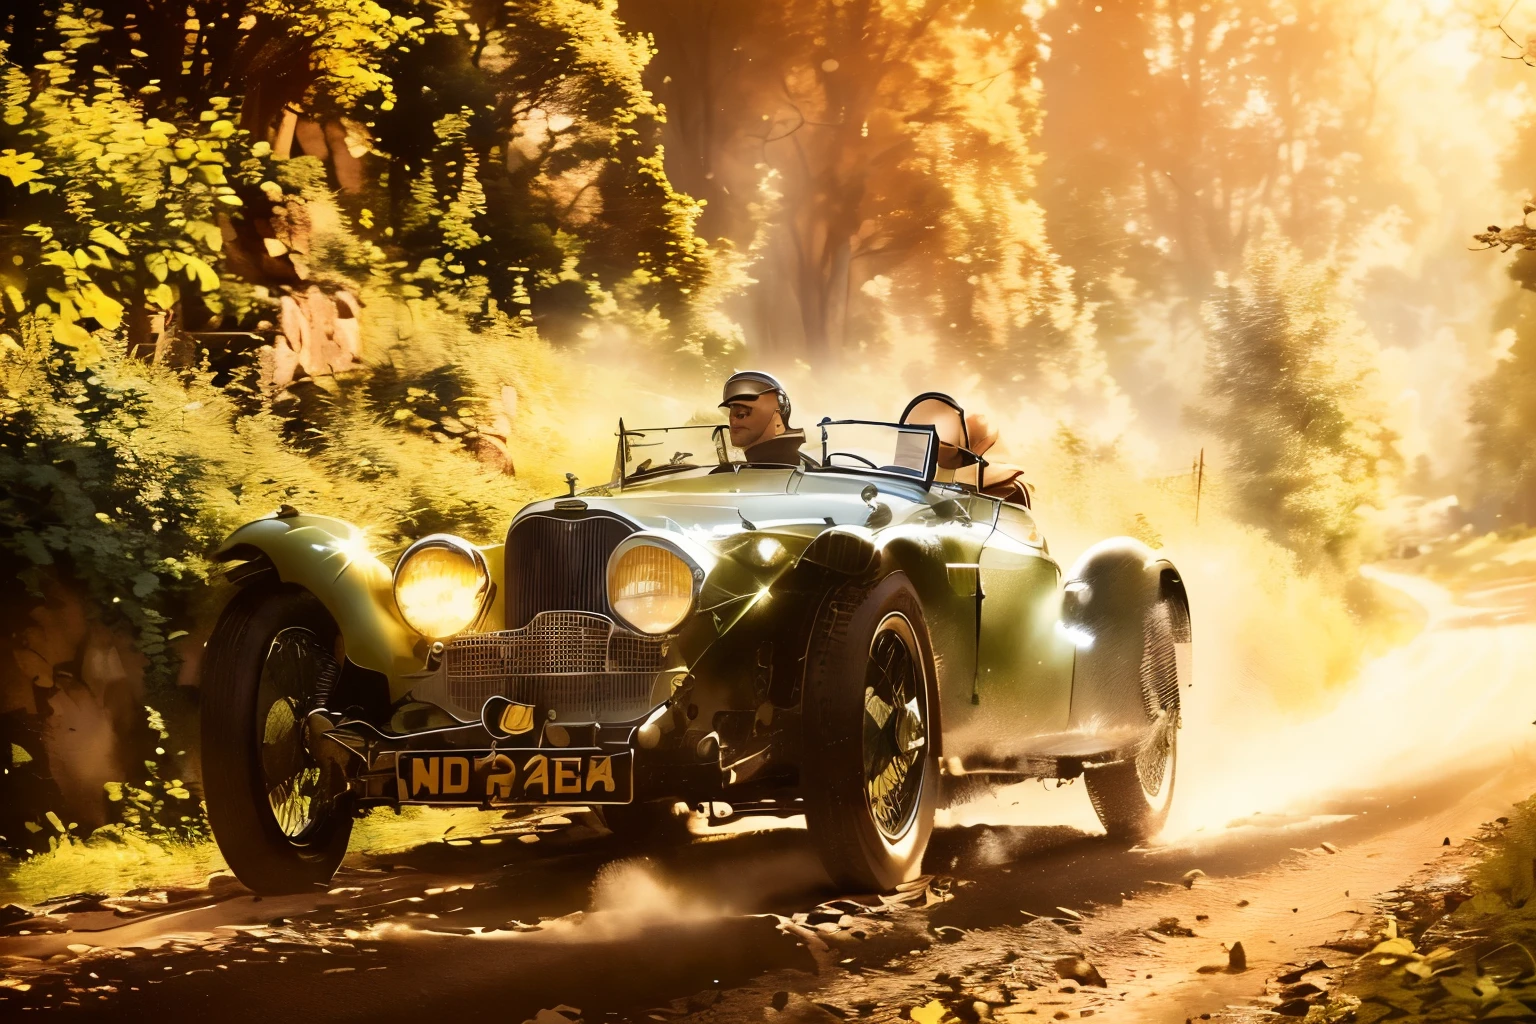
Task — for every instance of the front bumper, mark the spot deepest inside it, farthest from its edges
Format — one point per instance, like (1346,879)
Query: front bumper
(475,765)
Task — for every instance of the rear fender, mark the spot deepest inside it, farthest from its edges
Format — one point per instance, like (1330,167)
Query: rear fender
(330,559)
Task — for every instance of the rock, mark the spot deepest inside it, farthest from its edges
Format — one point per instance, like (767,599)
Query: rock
(1075,968)
(948,933)
(779,1000)
(1353,941)
(1447,841)
(1237,958)
(1329,847)
(11,913)
(703,1000)
(1293,1008)
(1292,977)
(1171,926)
(1190,876)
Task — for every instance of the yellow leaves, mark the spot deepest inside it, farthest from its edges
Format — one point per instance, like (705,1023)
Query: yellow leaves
(205,233)
(178,174)
(166,262)
(212,174)
(103,237)
(158,264)
(274,247)
(161,296)
(195,269)
(99,306)
(1393,947)
(223,128)
(934,1012)
(19,167)
(76,338)
(59,258)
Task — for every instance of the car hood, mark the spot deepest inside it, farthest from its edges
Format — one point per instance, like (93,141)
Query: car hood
(714,506)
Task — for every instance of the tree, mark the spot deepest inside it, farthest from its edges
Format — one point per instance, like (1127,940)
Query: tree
(1290,392)
(876,160)
(1178,129)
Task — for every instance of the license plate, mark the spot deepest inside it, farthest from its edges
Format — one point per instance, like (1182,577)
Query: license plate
(504,777)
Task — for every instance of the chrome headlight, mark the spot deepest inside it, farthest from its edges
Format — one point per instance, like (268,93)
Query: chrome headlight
(651,586)
(440,585)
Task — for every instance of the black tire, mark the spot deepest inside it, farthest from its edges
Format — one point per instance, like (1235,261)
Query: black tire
(646,824)
(1132,797)
(269,662)
(870,659)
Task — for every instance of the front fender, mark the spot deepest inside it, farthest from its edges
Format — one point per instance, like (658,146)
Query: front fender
(330,559)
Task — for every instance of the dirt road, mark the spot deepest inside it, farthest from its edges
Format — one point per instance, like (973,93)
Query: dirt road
(1298,830)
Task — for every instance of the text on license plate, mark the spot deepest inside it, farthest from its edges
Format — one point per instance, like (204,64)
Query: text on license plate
(558,776)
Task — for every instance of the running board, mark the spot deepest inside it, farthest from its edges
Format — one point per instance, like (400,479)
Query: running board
(1036,766)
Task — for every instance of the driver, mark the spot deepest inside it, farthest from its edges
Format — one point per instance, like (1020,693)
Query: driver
(759,409)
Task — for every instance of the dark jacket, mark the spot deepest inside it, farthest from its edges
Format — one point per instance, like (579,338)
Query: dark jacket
(783,450)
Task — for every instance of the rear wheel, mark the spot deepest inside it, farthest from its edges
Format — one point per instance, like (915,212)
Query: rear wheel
(870,776)
(279,814)
(1132,797)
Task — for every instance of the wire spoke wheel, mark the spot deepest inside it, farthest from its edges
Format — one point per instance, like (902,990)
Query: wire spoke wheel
(295,673)
(895,727)
(1155,753)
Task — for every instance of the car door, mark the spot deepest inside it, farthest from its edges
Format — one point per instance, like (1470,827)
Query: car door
(1024,663)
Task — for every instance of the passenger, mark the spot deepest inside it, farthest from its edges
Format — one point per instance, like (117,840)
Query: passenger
(759,417)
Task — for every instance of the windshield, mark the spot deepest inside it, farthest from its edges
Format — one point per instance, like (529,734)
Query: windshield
(887,447)
(844,444)
(657,449)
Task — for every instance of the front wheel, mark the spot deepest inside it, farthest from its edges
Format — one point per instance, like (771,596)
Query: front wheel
(870,775)
(279,814)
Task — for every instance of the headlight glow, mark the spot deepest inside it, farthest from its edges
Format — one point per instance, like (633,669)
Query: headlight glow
(650,588)
(440,585)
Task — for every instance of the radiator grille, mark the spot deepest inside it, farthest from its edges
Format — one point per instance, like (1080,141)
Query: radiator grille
(580,665)
(556,564)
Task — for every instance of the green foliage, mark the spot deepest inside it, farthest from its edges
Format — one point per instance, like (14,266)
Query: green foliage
(1503,413)
(1290,392)
(127,211)
(93,478)
(1476,962)
(159,808)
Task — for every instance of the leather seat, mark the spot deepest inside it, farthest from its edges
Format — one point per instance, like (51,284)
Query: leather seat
(1000,480)
(961,436)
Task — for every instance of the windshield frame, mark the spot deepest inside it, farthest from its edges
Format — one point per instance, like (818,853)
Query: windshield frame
(930,463)
(718,440)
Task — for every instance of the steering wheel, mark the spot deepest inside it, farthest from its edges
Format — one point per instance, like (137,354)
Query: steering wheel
(850,455)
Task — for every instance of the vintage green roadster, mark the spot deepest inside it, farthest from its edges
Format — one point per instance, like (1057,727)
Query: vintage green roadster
(857,637)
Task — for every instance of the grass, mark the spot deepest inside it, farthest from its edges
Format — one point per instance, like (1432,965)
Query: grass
(115,860)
